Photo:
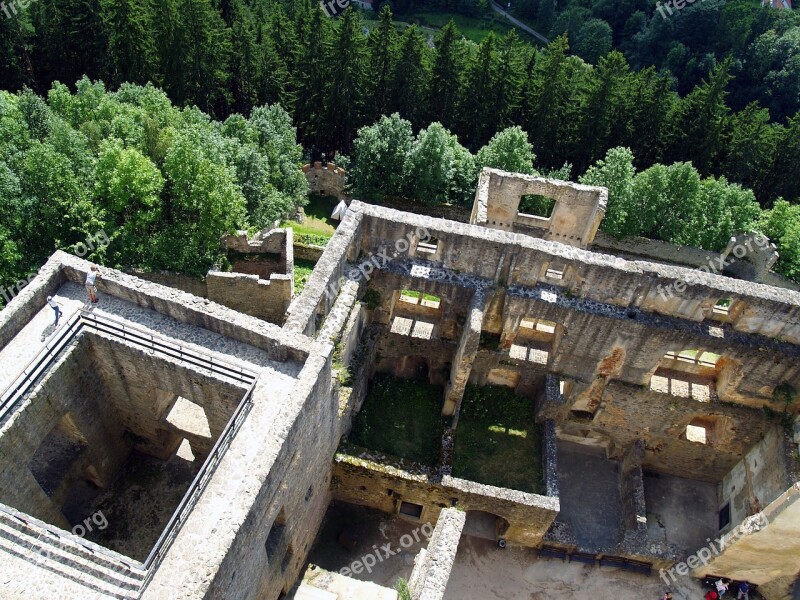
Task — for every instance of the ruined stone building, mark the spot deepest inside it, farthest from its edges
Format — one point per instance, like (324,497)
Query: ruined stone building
(665,395)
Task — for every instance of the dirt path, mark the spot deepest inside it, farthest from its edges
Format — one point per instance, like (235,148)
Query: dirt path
(483,572)
(519,24)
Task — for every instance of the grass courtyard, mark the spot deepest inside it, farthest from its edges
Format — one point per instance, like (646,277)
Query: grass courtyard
(497,441)
(318,226)
(401,417)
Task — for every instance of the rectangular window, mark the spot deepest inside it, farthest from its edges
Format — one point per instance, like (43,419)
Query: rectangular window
(554,274)
(410,509)
(722,307)
(429,247)
(725,516)
(420,298)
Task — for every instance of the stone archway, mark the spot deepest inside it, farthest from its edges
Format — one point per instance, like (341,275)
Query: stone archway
(485,525)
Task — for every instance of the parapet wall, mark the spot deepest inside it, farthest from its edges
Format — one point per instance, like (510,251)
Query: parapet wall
(575,217)
(251,295)
(326,179)
(433,564)
(371,480)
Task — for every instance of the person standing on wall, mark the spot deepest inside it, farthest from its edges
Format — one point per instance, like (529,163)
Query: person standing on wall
(56,308)
(91,278)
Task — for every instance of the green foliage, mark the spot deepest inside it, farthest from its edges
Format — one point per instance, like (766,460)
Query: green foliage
(380,155)
(302,271)
(508,150)
(401,586)
(782,225)
(593,40)
(401,417)
(497,441)
(164,183)
(704,212)
(682,99)
(372,298)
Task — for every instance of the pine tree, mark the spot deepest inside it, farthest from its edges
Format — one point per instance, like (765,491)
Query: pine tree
(411,77)
(245,60)
(131,44)
(509,80)
(446,82)
(310,73)
(477,123)
(702,120)
(549,106)
(204,47)
(345,100)
(382,50)
(607,99)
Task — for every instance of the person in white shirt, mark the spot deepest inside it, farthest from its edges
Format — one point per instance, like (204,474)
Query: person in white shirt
(56,308)
(722,587)
(91,277)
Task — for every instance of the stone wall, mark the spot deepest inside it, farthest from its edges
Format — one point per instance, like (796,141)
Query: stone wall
(370,479)
(252,528)
(62,393)
(762,475)
(191,285)
(251,295)
(575,217)
(764,549)
(326,179)
(433,564)
(309,253)
(185,308)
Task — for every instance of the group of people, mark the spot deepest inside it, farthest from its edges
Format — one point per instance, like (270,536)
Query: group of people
(723,586)
(91,288)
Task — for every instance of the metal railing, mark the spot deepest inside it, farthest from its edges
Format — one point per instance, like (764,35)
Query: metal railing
(39,365)
(157,344)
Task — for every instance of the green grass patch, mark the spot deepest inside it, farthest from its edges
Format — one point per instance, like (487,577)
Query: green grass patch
(497,441)
(401,417)
(318,223)
(472,28)
(302,271)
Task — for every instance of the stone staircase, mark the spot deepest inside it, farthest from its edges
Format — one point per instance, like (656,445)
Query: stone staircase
(82,561)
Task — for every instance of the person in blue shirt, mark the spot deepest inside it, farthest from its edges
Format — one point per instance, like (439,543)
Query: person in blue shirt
(744,590)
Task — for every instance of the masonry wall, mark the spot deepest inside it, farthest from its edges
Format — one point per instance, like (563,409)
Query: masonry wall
(72,387)
(762,475)
(251,295)
(765,548)
(257,523)
(509,259)
(325,179)
(369,482)
(433,564)
(191,285)
(142,389)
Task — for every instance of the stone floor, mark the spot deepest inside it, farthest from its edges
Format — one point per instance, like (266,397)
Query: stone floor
(319,584)
(680,511)
(137,506)
(373,530)
(589,494)
(484,572)
(18,353)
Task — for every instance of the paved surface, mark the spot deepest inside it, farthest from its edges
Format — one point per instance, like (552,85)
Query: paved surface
(519,24)
(484,572)
(28,342)
(680,511)
(32,338)
(373,530)
(589,494)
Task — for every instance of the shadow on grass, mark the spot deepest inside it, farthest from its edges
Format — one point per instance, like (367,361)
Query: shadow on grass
(497,441)
(401,417)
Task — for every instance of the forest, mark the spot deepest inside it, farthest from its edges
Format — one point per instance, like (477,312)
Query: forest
(160,120)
